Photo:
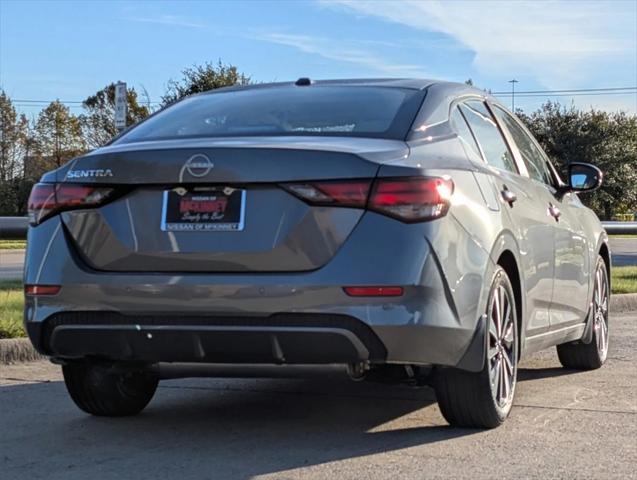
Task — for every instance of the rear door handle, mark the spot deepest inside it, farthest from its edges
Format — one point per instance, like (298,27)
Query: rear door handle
(554,211)
(508,196)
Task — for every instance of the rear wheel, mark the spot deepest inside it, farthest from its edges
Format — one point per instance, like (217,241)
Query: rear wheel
(100,391)
(483,399)
(589,356)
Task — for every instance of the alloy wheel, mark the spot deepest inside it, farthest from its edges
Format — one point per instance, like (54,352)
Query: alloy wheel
(502,350)
(600,312)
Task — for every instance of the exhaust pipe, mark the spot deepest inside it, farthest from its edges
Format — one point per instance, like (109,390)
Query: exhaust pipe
(358,371)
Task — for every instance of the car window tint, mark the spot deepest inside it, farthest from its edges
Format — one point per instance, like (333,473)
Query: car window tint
(361,111)
(488,135)
(464,133)
(532,156)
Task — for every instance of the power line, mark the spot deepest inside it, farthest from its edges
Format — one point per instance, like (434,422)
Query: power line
(46,102)
(580,94)
(568,91)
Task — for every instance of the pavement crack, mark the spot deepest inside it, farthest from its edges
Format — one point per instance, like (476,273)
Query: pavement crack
(593,410)
(25,380)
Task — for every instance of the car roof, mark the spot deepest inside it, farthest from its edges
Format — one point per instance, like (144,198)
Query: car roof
(405,83)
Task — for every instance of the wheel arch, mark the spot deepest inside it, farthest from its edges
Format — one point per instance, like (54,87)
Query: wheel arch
(604,251)
(507,261)
(505,253)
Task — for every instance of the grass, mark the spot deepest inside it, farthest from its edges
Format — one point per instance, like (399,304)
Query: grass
(621,235)
(624,279)
(13,244)
(11,306)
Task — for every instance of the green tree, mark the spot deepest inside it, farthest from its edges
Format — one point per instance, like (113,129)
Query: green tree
(607,140)
(201,78)
(98,123)
(12,137)
(59,136)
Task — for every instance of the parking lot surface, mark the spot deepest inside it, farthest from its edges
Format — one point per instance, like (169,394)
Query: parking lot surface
(11,264)
(565,424)
(624,251)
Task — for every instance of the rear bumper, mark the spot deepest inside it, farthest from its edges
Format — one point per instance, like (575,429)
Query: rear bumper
(276,339)
(284,338)
(197,317)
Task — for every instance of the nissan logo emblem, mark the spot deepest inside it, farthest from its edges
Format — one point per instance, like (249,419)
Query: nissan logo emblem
(199,165)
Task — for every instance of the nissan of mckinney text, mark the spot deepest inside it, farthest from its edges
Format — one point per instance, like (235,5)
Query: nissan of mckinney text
(403,230)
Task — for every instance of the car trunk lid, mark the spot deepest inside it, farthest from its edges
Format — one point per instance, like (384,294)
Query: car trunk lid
(271,230)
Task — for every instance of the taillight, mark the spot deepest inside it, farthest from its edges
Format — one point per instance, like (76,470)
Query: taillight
(47,199)
(408,199)
(412,199)
(348,193)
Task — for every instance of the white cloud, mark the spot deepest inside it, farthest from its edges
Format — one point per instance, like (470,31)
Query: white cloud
(342,51)
(557,42)
(170,20)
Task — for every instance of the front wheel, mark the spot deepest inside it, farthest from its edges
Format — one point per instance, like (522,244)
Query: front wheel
(99,391)
(483,399)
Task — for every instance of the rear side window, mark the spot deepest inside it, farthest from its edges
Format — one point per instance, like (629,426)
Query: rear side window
(464,133)
(342,110)
(488,135)
(531,154)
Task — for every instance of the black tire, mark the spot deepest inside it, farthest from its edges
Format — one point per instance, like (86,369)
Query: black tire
(590,356)
(98,391)
(469,399)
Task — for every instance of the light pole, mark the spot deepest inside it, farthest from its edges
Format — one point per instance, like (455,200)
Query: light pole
(513,82)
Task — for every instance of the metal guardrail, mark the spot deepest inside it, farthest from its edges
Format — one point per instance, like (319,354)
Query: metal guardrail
(629,228)
(15,228)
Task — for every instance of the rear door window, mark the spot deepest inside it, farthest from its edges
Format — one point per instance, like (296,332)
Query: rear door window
(534,159)
(488,135)
(464,133)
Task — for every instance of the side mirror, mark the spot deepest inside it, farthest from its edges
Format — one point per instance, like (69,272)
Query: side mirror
(584,177)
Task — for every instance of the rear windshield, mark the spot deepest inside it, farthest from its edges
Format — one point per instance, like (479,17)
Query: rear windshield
(362,111)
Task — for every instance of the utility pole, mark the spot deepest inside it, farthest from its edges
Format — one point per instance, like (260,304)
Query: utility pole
(513,82)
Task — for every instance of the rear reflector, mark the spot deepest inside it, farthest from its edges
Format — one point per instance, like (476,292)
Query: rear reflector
(374,291)
(34,290)
(47,199)
(408,199)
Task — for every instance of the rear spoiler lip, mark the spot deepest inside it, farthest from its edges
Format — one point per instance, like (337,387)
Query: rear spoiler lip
(373,149)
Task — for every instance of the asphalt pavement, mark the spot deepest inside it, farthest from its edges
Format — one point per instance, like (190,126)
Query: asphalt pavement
(11,264)
(565,424)
(624,251)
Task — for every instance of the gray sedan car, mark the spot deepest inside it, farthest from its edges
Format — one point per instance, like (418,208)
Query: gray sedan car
(407,230)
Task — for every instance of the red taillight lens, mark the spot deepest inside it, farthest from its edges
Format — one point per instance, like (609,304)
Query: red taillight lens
(373,291)
(348,193)
(413,199)
(35,290)
(408,199)
(47,199)
(41,202)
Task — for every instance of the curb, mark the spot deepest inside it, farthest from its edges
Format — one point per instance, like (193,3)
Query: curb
(13,350)
(623,302)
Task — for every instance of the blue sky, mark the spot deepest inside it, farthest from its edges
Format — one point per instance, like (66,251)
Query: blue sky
(68,50)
